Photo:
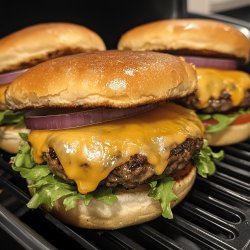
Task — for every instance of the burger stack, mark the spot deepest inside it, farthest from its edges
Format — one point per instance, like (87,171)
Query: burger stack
(108,146)
(222,99)
(105,149)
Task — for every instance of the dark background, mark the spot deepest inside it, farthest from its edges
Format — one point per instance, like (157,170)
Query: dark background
(109,18)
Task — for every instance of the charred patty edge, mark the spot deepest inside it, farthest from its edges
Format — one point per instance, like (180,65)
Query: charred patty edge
(222,104)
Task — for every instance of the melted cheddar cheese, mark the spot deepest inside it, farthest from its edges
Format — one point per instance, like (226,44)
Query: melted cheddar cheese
(213,82)
(89,154)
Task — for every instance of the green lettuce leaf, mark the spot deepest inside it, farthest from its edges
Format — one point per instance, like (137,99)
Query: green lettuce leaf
(105,195)
(204,160)
(163,191)
(24,136)
(223,120)
(47,195)
(36,173)
(70,201)
(48,188)
(11,117)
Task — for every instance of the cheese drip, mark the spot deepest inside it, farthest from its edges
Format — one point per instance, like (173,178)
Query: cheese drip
(212,83)
(89,154)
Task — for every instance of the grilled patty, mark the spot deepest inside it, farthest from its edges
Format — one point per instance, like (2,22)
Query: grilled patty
(137,170)
(221,105)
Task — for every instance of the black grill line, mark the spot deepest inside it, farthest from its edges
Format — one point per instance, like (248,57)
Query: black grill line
(245,154)
(158,237)
(122,241)
(198,234)
(240,174)
(236,188)
(21,233)
(21,211)
(224,210)
(211,220)
(222,190)
(235,183)
(237,162)
(15,189)
(71,232)
(244,146)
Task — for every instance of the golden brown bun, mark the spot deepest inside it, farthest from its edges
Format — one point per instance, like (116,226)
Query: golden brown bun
(231,135)
(2,96)
(109,78)
(39,42)
(133,207)
(192,34)
(10,139)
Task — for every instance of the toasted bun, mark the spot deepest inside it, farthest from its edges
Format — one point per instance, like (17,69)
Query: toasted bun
(40,42)
(10,139)
(191,34)
(133,207)
(2,96)
(110,78)
(231,135)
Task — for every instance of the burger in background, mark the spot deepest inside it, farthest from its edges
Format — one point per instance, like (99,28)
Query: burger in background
(11,125)
(222,99)
(28,47)
(105,149)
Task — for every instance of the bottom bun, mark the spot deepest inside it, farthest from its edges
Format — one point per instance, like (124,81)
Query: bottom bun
(10,139)
(133,207)
(231,135)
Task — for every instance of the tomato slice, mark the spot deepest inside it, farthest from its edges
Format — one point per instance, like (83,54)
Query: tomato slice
(210,122)
(244,118)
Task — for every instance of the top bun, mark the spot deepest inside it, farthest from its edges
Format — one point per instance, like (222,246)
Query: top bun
(40,42)
(190,34)
(111,78)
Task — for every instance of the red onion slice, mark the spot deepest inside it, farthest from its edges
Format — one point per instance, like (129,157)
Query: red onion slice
(9,77)
(46,120)
(219,63)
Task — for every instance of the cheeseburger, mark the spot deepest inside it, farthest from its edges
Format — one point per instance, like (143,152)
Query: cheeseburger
(105,149)
(222,99)
(28,47)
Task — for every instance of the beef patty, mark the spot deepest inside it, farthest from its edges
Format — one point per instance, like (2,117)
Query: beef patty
(220,105)
(137,170)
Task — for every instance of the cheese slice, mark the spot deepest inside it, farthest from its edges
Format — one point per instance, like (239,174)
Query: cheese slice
(213,82)
(89,154)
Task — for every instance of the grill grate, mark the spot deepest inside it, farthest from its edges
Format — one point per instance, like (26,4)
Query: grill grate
(215,215)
